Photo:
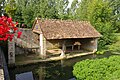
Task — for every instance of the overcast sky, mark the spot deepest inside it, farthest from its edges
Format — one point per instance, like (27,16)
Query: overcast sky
(71,2)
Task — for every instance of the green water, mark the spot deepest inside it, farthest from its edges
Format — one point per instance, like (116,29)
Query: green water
(59,70)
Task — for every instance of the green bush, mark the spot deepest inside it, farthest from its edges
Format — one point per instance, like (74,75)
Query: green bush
(98,69)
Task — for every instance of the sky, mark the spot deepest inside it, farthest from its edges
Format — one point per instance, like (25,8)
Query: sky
(70,2)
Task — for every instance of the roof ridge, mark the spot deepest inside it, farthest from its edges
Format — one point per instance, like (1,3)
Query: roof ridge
(37,18)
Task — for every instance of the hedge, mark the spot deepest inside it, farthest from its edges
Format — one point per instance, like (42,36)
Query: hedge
(98,69)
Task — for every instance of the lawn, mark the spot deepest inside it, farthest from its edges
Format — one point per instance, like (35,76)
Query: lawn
(118,35)
(115,47)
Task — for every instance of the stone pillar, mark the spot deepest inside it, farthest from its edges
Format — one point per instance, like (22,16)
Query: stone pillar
(63,50)
(42,46)
(95,45)
(11,52)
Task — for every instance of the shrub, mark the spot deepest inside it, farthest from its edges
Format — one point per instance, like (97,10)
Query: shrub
(7,28)
(98,69)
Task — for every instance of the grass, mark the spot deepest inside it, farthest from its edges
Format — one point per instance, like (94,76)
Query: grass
(115,47)
(117,35)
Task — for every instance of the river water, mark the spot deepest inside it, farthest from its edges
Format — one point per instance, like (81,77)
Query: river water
(57,70)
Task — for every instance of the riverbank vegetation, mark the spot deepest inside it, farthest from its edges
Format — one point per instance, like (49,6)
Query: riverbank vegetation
(98,69)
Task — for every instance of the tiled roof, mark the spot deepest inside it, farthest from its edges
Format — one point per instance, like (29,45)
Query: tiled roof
(63,29)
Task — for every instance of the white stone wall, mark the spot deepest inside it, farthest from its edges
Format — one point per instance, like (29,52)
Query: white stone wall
(90,45)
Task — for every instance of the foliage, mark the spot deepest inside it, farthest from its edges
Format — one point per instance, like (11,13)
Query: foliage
(7,28)
(98,69)
(18,12)
(2,7)
(104,15)
(46,9)
(27,10)
(116,13)
(10,7)
(61,7)
(115,47)
(72,10)
(100,14)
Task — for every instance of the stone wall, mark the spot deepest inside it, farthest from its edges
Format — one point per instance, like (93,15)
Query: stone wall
(86,43)
(89,44)
(27,34)
(53,44)
(27,40)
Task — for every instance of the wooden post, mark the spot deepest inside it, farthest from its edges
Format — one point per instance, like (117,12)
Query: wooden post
(11,52)
(42,46)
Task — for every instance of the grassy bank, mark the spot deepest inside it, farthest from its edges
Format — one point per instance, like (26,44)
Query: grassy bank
(115,47)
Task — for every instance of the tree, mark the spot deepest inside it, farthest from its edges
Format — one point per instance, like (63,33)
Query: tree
(61,6)
(28,12)
(18,12)
(25,11)
(100,14)
(85,9)
(10,7)
(2,2)
(115,4)
(72,9)
(46,9)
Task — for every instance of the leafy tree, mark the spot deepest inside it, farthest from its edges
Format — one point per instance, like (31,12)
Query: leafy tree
(101,19)
(41,8)
(28,12)
(72,10)
(2,2)
(10,7)
(99,13)
(116,13)
(61,6)
(18,13)
(25,11)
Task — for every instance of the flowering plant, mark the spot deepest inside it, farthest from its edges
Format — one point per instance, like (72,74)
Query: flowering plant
(8,28)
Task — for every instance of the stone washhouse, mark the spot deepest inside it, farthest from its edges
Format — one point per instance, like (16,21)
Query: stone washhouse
(62,36)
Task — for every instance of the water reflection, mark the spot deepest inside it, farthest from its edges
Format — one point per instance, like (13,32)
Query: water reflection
(58,70)
(41,73)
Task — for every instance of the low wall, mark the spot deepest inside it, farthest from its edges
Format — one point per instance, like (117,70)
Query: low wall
(26,42)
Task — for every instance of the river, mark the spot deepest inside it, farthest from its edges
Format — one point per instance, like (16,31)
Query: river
(57,70)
